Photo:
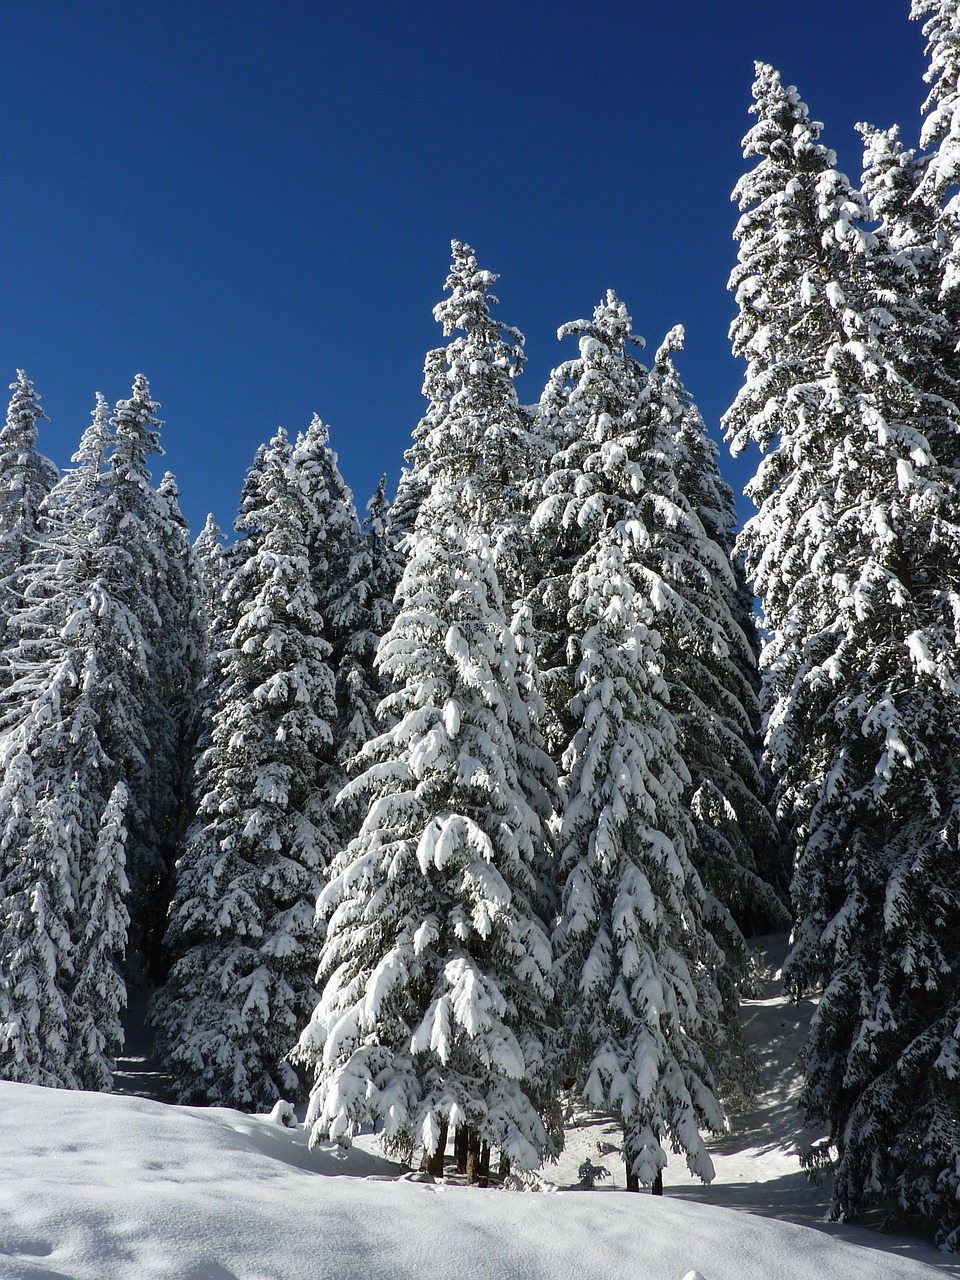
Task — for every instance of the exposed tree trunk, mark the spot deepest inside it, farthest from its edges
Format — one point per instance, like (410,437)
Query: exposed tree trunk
(461,1145)
(657,1188)
(473,1157)
(432,1162)
(504,1169)
(633,1182)
(483,1179)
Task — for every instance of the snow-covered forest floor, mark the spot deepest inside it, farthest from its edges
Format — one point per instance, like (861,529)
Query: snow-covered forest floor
(99,1185)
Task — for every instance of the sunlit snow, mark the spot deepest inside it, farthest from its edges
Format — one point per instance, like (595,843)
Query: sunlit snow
(94,1186)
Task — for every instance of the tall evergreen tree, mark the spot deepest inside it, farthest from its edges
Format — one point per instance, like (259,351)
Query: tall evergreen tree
(476,434)
(336,575)
(210,568)
(940,135)
(635,962)
(241,924)
(365,617)
(435,958)
(148,724)
(36,910)
(855,551)
(62,877)
(26,477)
(436,966)
(710,664)
(99,991)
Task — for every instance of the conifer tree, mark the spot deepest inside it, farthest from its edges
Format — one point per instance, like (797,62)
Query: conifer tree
(374,575)
(476,434)
(710,665)
(635,962)
(210,569)
(336,576)
(36,910)
(241,924)
(26,477)
(855,552)
(435,959)
(940,135)
(99,991)
(436,966)
(150,720)
(61,876)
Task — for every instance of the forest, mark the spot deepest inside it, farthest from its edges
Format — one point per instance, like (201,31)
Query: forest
(437,814)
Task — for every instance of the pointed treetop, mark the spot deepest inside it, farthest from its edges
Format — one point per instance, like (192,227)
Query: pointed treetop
(611,325)
(23,413)
(783,119)
(469,303)
(211,534)
(137,430)
(96,438)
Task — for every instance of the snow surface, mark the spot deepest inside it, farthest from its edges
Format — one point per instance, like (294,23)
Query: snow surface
(98,1185)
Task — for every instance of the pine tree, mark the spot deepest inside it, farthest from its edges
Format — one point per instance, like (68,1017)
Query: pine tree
(710,664)
(473,409)
(476,435)
(26,477)
(855,551)
(435,958)
(241,923)
(36,909)
(149,723)
(436,966)
(99,991)
(635,963)
(336,576)
(365,615)
(210,570)
(940,135)
(61,876)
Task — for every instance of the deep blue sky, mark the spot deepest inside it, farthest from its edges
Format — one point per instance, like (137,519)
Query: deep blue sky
(252,203)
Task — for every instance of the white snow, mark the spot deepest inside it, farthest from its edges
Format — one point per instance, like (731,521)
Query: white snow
(103,1186)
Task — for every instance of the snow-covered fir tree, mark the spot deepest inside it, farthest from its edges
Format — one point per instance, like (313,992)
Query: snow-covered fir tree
(241,923)
(435,959)
(336,571)
(26,477)
(62,878)
(99,991)
(37,909)
(634,960)
(710,665)
(151,722)
(435,964)
(373,576)
(855,551)
(210,572)
(476,433)
(940,135)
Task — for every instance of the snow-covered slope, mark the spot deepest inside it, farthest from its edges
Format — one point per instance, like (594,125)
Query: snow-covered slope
(97,1187)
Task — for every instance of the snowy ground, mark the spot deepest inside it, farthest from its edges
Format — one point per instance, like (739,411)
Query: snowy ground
(93,1185)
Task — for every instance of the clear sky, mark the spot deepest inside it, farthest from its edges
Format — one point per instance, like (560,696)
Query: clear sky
(251,202)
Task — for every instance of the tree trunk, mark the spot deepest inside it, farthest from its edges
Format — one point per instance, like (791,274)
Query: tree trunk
(432,1162)
(657,1188)
(461,1145)
(484,1176)
(633,1182)
(473,1157)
